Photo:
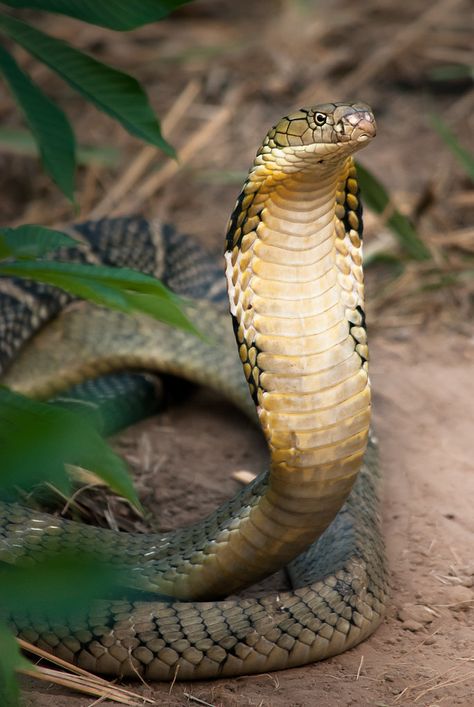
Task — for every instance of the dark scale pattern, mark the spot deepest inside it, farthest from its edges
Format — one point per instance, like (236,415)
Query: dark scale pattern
(234,232)
(248,354)
(362,314)
(354,326)
(24,308)
(339,594)
(125,241)
(245,216)
(116,401)
(133,242)
(145,559)
(157,249)
(353,217)
(296,129)
(352,329)
(339,582)
(349,213)
(190,271)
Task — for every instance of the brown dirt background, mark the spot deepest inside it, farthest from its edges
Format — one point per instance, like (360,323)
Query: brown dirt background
(223,72)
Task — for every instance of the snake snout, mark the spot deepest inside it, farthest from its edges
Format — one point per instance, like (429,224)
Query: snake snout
(358,124)
(364,126)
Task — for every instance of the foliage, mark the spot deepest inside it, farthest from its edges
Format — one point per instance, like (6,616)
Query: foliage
(47,122)
(57,437)
(114,14)
(11,661)
(119,288)
(377,198)
(464,157)
(111,91)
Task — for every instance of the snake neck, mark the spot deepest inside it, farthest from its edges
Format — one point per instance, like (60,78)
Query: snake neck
(295,283)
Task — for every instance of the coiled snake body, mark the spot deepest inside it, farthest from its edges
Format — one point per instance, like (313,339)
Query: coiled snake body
(294,275)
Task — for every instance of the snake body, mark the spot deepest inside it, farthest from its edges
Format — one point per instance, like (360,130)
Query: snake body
(295,285)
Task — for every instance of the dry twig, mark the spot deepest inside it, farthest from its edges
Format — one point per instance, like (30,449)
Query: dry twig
(147,154)
(78,679)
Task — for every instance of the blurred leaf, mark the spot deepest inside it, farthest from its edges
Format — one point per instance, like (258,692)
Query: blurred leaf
(20,142)
(112,91)
(464,157)
(436,280)
(219,176)
(30,241)
(390,260)
(119,288)
(376,197)
(116,14)
(48,123)
(11,660)
(452,72)
(177,54)
(63,582)
(37,440)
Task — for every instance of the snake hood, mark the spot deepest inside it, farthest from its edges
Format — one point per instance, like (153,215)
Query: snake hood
(295,285)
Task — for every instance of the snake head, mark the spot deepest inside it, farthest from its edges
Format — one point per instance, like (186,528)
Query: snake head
(329,131)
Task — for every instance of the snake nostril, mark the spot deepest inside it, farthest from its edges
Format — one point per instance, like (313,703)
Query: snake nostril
(361,125)
(366,127)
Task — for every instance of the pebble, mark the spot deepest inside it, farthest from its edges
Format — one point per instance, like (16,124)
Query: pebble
(418,613)
(461,598)
(411,625)
(430,641)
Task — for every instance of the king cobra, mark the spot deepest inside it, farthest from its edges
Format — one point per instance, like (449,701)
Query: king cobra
(295,286)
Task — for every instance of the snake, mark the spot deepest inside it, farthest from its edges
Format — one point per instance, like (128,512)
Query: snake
(294,280)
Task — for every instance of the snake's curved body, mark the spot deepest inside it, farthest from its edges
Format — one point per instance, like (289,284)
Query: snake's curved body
(294,274)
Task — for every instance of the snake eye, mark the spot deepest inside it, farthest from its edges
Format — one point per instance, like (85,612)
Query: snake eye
(320,118)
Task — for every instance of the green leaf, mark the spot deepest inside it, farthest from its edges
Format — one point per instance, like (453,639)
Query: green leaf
(464,157)
(48,123)
(376,197)
(120,288)
(116,14)
(20,142)
(112,91)
(452,72)
(11,660)
(55,437)
(395,263)
(63,581)
(30,241)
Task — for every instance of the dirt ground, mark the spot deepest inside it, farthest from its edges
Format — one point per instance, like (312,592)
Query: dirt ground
(220,74)
(423,653)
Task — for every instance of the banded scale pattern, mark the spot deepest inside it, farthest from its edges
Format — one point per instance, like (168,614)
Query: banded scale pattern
(294,274)
(339,595)
(152,247)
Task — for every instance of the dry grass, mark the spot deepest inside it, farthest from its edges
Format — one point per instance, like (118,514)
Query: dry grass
(219,74)
(77,679)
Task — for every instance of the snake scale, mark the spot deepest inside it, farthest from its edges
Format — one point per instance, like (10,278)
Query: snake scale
(295,286)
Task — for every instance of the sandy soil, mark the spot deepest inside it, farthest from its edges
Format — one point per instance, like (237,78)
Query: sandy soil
(423,653)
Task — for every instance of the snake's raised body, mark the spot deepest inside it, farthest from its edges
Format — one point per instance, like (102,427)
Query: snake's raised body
(295,285)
